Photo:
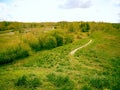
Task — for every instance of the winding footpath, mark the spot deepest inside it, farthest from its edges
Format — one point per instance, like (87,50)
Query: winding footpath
(73,51)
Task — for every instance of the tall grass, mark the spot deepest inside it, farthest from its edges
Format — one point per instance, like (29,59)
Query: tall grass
(17,50)
(44,41)
(32,41)
(47,42)
(29,81)
(59,37)
(62,37)
(61,82)
(99,82)
(13,51)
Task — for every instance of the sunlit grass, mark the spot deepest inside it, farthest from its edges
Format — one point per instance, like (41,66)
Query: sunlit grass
(95,67)
(15,50)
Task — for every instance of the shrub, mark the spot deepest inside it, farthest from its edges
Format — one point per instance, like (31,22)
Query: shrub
(71,28)
(51,77)
(84,27)
(22,81)
(35,82)
(49,42)
(62,82)
(30,81)
(68,39)
(86,87)
(59,37)
(12,52)
(32,41)
(41,41)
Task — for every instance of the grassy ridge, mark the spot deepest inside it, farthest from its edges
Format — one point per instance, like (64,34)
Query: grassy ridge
(103,57)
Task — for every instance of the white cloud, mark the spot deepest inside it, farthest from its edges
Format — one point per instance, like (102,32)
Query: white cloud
(76,4)
(116,2)
(48,10)
(4,11)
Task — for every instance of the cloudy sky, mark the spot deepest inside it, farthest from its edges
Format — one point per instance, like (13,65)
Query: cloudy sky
(60,10)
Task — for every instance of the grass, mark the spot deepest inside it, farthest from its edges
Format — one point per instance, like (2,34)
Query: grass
(30,81)
(99,82)
(86,87)
(13,51)
(40,42)
(61,82)
(99,55)
(95,67)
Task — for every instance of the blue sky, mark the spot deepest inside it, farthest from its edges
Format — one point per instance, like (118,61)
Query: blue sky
(60,10)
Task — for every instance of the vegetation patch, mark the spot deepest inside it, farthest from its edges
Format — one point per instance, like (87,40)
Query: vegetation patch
(12,52)
(60,81)
(95,67)
(30,81)
(99,82)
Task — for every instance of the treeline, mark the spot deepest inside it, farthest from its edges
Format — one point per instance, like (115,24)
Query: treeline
(19,25)
(70,26)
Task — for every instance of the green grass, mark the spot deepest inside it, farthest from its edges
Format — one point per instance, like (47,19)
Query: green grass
(61,82)
(103,56)
(13,51)
(95,67)
(19,47)
(30,81)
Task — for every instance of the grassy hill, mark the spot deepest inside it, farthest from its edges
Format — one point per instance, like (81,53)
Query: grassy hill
(34,66)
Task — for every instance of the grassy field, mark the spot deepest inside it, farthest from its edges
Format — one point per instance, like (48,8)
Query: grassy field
(94,67)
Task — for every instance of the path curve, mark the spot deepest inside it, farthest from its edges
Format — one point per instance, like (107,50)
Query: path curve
(73,51)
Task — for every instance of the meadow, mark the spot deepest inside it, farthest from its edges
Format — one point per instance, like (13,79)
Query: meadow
(36,56)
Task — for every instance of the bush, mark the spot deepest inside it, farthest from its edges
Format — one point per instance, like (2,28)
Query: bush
(12,52)
(32,41)
(22,81)
(68,39)
(71,28)
(59,37)
(49,42)
(30,81)
(84,27)
(86,87)
(62,82)
(35,82)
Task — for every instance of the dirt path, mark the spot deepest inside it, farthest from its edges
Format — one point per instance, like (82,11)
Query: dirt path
(73,51)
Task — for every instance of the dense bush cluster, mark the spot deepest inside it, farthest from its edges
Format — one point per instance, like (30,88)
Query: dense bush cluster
(12,52)
(31,40)
(35,42)
(47,40)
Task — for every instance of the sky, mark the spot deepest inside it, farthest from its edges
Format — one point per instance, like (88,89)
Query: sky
(60,10)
